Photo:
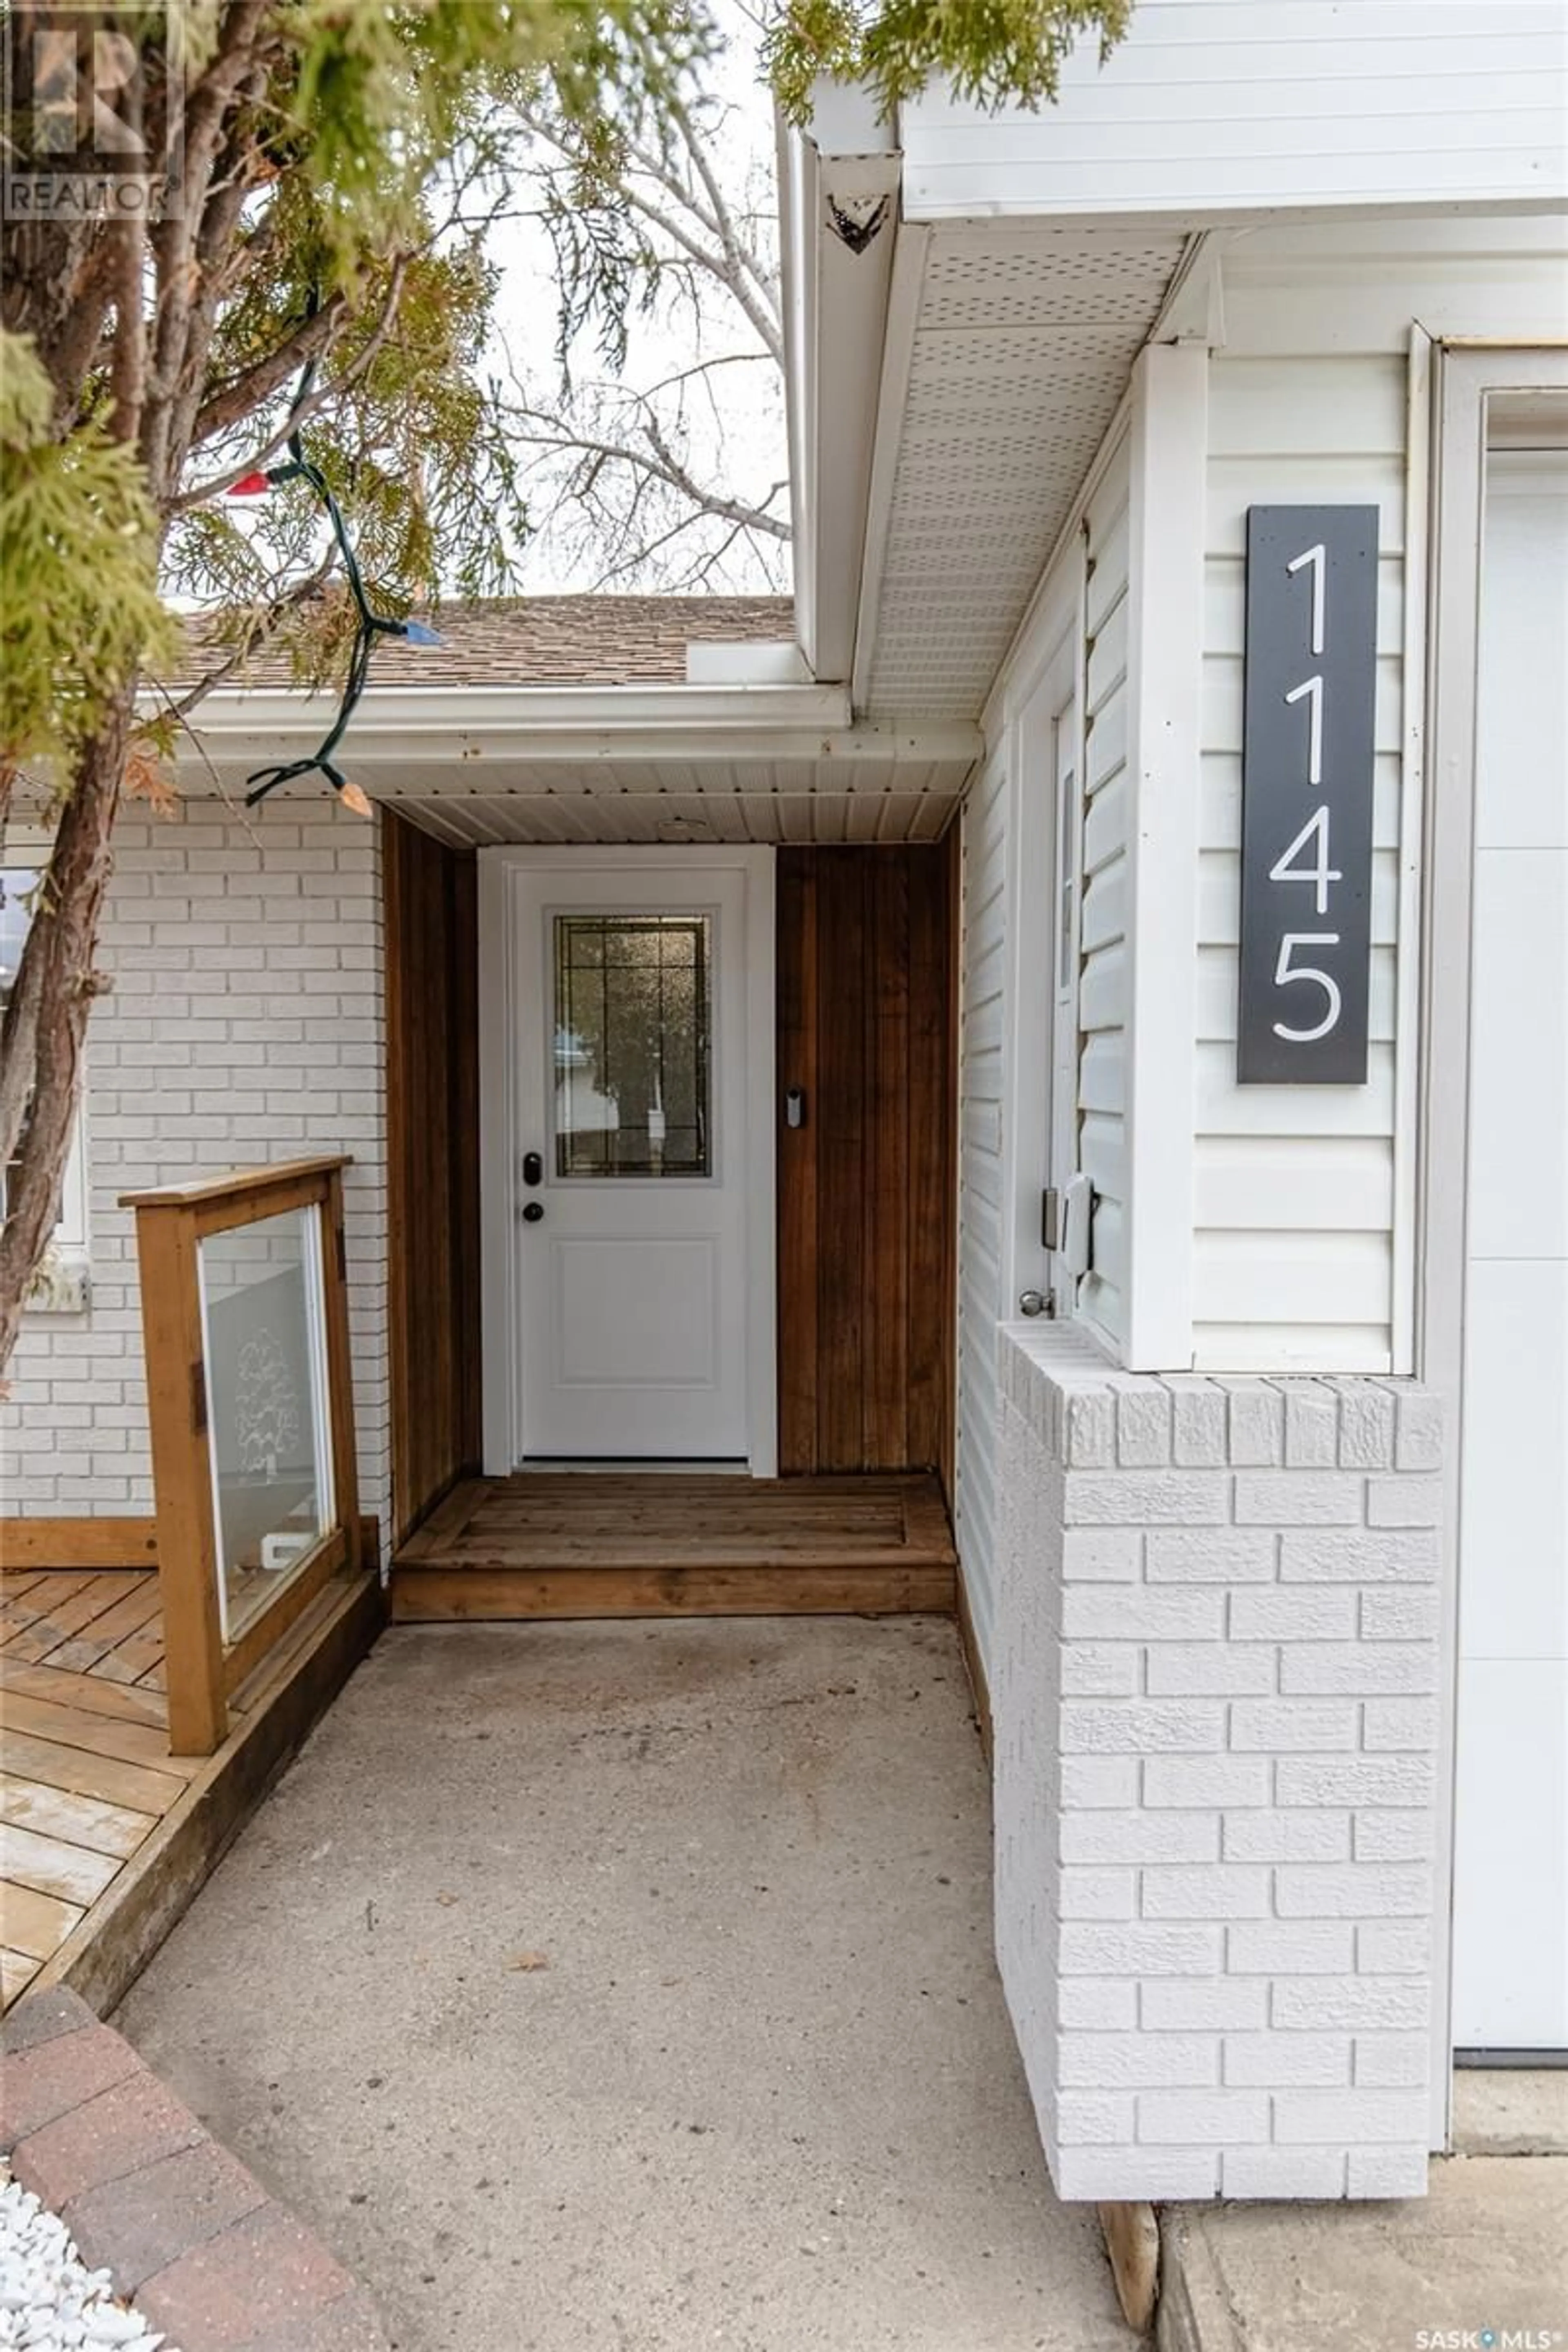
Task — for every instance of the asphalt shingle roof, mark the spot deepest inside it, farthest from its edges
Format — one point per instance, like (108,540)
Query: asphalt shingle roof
(557,641)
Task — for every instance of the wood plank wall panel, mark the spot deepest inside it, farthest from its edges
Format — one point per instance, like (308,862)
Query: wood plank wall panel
(432,1058)
(865,1193)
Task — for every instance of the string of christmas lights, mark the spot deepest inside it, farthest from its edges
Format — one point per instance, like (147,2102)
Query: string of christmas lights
(370,627)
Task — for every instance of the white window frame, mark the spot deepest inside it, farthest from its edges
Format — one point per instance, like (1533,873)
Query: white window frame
(60,1284)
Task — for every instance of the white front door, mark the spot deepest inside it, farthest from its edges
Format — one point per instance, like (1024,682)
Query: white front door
(629,1236)
(1510,1858)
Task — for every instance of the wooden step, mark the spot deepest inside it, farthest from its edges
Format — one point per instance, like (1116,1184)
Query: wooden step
(579,1545)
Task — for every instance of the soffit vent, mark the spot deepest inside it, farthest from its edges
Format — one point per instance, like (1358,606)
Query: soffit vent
(1022,352)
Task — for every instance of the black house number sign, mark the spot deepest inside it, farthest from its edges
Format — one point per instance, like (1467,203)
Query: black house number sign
(1306,795)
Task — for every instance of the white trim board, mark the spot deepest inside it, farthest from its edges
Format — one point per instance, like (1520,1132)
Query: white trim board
(1466,378)
(501,1415)
(1165,669)
(1029,1147)
(1413,777)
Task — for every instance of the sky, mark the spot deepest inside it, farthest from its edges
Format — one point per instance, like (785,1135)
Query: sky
(734,418)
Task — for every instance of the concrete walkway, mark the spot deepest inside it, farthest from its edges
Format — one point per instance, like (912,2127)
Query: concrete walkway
(1480,2261)
(629,1987)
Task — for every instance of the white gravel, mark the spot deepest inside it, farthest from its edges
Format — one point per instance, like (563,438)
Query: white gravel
(50,2300)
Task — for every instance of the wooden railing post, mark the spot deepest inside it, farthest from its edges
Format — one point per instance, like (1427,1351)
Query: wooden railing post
(182,1477)
(207,1657)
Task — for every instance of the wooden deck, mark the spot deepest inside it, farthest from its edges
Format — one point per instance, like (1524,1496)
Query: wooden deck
(87,1776)
(104,1836)
(602,1544)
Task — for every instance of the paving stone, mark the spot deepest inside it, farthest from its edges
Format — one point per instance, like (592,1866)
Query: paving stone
(146,2221)
(56,2075)
(39,2017)
(264,2280)
(134,2124)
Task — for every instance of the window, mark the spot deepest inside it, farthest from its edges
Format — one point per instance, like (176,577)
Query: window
(633,1042)
(62,1282)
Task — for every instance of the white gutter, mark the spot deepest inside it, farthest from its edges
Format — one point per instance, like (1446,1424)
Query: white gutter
(525,710)
(838,203)
(428,728)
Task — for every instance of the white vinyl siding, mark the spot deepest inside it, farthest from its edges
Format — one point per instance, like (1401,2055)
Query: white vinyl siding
(1298,1210)
(982,1015)
(1086,628)
(1104,876)
(1219,106)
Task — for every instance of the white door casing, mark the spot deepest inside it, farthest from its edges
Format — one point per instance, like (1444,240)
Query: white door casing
(1510,1854)
(633,1316)
(1482,394)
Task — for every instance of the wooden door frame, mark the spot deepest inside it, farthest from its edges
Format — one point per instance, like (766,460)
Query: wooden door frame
(499,1009)
(432,1143)
(866,1197)
(1466,378)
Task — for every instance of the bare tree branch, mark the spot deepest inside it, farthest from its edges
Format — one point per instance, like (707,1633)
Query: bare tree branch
(658,462)
(641,479)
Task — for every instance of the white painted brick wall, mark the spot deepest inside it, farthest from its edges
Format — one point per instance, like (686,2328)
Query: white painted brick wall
(1216,1653)
(245,1025)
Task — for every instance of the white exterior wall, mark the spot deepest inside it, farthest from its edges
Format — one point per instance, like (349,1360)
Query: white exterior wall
(1010,904)
(1105,875)
(983,1014)
(1214,1638)
(1295,1185)
(1212,106)
(1277,1223)
(1215,1789)
(245,1025)
(1304,1210)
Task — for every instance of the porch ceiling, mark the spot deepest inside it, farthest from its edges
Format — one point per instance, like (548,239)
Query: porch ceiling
(610,765)
(761,801)
(1023,339)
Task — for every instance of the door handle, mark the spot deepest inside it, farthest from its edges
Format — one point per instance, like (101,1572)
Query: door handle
(533,1211)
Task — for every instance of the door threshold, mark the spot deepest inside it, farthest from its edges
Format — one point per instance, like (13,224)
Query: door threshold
(638,1466)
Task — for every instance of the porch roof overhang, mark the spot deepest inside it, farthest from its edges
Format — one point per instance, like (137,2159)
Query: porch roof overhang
(952,378)
(481,764)
(948,385)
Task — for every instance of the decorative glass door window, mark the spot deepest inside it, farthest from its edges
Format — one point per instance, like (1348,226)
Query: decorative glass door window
(633,1028)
